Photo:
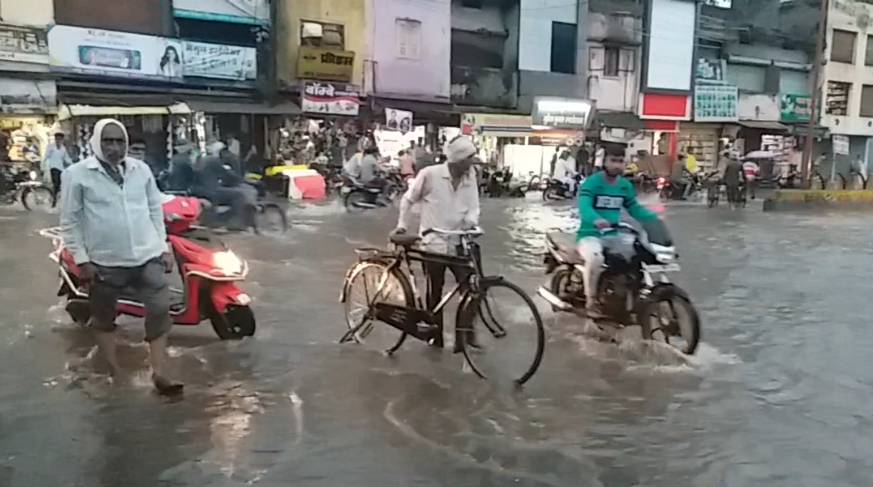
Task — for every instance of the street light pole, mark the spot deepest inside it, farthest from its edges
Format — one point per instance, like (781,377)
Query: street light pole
(814,111)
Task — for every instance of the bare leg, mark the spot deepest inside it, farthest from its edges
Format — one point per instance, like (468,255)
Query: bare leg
(156,298)
(106,345)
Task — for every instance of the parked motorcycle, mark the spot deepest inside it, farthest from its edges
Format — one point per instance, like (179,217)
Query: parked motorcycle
(208,268)
(24,185)
(557,190)
(633,288)
(500,183)
(359,197)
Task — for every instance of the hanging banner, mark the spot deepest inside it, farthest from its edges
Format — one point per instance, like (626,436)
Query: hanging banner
(716,103)
(330,99)
(116,54)
(398,120)
(219,61)
(22,44)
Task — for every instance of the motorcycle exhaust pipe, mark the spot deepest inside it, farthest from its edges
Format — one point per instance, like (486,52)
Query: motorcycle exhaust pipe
(555,301)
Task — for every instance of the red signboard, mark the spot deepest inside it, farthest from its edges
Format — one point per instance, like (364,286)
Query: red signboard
(665,106)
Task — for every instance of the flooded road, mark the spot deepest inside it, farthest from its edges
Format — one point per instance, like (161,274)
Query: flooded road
(776,396)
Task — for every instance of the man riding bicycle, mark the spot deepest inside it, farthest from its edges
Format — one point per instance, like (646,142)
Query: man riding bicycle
(601,198)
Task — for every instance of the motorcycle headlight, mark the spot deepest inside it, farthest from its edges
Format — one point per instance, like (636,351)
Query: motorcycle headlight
(665,257)
(228,262)
(33,175)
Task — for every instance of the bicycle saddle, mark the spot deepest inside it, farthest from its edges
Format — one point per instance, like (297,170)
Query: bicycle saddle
(404,240)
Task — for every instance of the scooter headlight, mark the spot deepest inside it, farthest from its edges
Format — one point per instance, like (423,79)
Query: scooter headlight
(665,257)
(228,262)
(33,175)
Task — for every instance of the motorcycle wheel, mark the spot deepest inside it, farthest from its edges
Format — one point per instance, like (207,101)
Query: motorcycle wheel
(550,194)
(236,323)
(655,326)
(270,219)
(34,196)
(559,283)
(354,200)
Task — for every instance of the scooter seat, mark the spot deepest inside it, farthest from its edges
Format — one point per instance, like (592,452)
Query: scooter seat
(404,240)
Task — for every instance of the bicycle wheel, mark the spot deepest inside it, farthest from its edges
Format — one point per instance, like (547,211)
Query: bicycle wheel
(364,282)
(501,341)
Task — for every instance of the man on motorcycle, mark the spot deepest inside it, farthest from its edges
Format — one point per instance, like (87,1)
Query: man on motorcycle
(601,198)
(565,171)
(217,181)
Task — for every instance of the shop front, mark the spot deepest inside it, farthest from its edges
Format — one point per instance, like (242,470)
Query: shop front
(662,112)
(714,106)
(176,89)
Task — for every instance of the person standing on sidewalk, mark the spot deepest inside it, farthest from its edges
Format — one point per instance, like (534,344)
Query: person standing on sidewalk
(54,162)
(113,225)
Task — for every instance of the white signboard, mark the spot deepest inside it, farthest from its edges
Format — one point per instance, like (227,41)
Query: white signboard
(398,120)
(764,108)
(109,53)
(219,61)
(330,99)
(671,37)
(840,144)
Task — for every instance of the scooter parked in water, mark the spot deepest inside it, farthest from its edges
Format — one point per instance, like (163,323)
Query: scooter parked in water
(558,190)
(209,273)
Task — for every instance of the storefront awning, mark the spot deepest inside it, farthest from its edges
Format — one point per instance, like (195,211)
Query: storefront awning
(69,111)
(764,125)
(243,108)
(621,120)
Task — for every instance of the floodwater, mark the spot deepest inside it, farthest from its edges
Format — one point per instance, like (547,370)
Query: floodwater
(777,394)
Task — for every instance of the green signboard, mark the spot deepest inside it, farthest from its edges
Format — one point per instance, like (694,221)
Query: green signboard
(795,108)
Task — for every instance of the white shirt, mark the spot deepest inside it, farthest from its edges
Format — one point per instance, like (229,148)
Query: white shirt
(565,168)
(442,206)
(56,158)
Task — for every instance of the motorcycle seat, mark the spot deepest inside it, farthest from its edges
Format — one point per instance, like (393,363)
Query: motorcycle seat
(404,240)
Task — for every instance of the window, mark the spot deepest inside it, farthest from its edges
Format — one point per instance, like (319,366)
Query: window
(868,56)
(866,101)
(407,37)
(319,34)
(843,46)
(611,56)
(563,48)
(837,98)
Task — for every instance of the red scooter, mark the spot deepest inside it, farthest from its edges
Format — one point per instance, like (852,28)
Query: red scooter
(208,268)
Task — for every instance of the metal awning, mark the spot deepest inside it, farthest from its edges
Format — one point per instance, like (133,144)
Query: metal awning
(242,107)
(621,120)
(764,125)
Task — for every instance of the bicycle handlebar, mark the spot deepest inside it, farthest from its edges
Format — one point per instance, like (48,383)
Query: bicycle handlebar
(473,232)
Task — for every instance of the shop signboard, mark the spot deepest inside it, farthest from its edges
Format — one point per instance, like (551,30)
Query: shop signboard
(840,144)
(562,113)
(496,125)
(22,44)
(795,108)
(325,64)
(237,11)
(21,97)
(398,120)
(713,103)
(117,54)
(219,61)
(330,99)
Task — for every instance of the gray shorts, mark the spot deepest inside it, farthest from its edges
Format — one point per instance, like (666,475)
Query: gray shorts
(146,282)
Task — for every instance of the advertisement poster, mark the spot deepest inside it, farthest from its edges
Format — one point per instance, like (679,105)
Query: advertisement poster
(117,54)
(23,44)
(716,103)
(795,108)
(325,64)
(219,61)
(330,99)
(398,120)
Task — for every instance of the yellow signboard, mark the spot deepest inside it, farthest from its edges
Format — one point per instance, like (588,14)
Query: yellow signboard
(325,64)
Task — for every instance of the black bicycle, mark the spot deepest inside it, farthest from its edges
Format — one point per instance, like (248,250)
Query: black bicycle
(395,301)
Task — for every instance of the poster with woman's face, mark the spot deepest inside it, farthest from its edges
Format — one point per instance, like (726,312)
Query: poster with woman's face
(170,63)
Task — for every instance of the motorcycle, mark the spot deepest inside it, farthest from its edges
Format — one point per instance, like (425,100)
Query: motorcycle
(557,190)
(25,186)
(633,288)
(208,268)
(358,196)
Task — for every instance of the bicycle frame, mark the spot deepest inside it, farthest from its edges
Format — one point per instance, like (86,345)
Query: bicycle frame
(400,255)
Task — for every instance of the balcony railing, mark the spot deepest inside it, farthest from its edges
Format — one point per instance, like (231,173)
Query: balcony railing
(484,86)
